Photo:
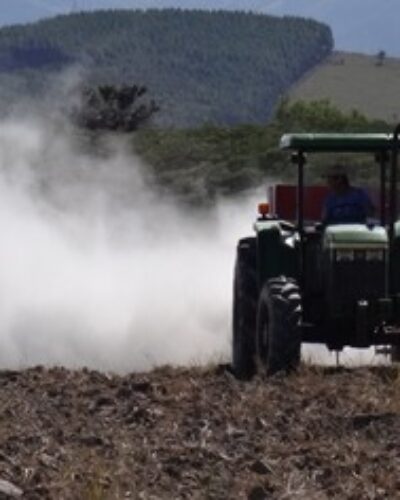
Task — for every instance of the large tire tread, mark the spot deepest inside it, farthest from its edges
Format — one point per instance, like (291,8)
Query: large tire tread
(278,326)
(244,310)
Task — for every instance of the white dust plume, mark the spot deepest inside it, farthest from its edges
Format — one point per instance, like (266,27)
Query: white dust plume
(97,269)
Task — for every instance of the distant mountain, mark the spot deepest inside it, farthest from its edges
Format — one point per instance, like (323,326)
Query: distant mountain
(201,67)
(358,25)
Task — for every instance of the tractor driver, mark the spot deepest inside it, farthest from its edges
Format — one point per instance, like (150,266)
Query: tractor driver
(345,204)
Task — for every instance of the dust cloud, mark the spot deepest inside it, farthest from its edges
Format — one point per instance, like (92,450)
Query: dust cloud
(99,269)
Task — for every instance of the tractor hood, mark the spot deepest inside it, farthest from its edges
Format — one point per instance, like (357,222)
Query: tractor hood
(357,236)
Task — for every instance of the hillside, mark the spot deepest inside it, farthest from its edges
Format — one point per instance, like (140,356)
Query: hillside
(199,433)
(358,26)
(200,67)
(354,81)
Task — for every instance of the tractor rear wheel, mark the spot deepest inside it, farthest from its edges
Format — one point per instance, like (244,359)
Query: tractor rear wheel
(244,310)
(278,326)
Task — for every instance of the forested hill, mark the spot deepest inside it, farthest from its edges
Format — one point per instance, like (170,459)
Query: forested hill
(201,67)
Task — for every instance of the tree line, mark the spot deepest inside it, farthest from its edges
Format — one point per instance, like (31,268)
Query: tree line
(199,165)
(220,68)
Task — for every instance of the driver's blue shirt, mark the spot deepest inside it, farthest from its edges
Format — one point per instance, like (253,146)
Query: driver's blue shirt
(351,207)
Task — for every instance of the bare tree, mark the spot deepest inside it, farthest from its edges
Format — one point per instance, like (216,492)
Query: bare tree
(108,107)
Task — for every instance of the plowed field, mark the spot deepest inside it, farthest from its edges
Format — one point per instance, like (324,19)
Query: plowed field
(199,433)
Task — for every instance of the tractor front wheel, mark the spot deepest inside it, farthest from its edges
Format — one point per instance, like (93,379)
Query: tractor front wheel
(244,310)
(278,326)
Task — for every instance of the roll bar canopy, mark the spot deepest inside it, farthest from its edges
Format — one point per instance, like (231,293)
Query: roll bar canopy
(385,146)
(332,143)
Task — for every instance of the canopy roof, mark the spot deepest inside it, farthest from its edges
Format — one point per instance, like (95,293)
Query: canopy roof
(337,142)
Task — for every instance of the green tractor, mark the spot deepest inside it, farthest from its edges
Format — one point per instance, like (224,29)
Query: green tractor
(297,281)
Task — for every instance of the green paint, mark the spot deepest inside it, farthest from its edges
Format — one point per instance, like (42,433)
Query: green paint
(355,236)
(336,142)
(262,224)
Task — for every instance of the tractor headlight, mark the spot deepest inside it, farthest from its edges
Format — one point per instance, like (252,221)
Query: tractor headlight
(374,255)
(344,255)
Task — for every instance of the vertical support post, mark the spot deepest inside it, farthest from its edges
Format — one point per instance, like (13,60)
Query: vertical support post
(300,159)
(393,203)
(382,158)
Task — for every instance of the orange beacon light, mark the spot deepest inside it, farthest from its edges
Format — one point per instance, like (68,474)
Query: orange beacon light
(263,209)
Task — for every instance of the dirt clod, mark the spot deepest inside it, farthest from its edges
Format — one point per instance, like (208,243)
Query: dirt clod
(9,489)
